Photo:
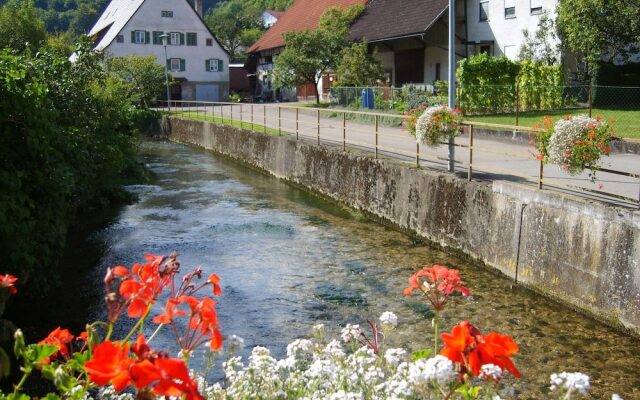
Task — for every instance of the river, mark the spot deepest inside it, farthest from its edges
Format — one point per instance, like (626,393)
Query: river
(289,260)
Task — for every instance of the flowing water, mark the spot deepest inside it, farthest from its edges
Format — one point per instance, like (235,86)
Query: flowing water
(289,260)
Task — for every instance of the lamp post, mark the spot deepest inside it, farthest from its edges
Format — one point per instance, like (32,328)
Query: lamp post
(452,78)
(165,41)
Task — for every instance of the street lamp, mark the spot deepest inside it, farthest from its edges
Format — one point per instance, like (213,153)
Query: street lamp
(165,41)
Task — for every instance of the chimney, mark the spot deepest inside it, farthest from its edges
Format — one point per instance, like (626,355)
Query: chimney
(198,7)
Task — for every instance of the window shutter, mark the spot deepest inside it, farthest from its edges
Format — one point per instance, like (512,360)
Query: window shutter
(220,63)
(182,38)
(207,66)
(183,65)
(133,36)
(147,38)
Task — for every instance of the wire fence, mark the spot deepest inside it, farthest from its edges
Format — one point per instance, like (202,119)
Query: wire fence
(365,131)
(519,105)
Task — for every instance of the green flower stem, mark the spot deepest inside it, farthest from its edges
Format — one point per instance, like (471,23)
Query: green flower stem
(139,324)
(155,333)
(436,320)
(18,387)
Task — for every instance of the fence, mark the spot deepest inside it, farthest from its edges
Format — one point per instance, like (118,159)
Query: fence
(519,105)
(357,130)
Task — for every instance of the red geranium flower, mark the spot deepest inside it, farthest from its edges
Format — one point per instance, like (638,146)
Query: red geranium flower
(110,364)
(466,345)
(8,281)
(441,282)
(59,338)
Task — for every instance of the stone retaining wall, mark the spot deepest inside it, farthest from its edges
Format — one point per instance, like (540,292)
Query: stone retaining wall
(583,253)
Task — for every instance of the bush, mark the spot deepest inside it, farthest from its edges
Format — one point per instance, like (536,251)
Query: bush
(540,86)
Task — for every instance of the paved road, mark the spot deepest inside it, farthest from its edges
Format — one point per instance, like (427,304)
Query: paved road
(492,158)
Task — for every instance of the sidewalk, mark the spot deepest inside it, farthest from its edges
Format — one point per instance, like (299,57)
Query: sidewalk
(493,158)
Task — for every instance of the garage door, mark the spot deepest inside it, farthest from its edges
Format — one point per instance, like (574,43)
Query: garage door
(207,92)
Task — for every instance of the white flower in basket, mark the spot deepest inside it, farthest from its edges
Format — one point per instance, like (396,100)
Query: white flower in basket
(437,124)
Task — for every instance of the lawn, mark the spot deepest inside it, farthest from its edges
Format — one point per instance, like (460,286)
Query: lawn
(627,122)
(227,121)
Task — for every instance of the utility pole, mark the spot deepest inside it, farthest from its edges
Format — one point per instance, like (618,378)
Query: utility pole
(165,41)
(452,78)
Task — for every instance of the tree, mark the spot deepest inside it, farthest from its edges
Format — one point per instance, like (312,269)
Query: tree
(20,27)
(599,30)
(543,46)
(358,67)
(236,25)
(143,77)
(310,54)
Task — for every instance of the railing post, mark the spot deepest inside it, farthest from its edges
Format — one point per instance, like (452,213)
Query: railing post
(540,174)
(344,131)
(417,154)
(470,172)
(318,124)
(297,122)
(264,119)
(376,122)
(279,121)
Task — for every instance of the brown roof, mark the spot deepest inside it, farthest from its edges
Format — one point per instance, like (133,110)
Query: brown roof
(300,16)
(388,19)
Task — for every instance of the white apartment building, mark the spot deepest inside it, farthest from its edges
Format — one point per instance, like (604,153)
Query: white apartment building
(195,59)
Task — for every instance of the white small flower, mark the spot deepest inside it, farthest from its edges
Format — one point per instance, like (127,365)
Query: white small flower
(318,329)
(334,349)
(491,371)
(350,333)
(235,342)
(570,380)
(389,319)
(616,396)
(394,356)
(438,368)
(299,347)
(342,395)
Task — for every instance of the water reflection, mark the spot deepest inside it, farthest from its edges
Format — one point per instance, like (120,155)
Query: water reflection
(289,260)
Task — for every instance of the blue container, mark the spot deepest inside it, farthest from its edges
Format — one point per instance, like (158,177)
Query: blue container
(368,99)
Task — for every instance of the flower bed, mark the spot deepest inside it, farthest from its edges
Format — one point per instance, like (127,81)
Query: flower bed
(574,143)
(470,364)
(432,125)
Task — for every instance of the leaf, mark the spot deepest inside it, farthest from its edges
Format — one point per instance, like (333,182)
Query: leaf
(420,354)
(39,352)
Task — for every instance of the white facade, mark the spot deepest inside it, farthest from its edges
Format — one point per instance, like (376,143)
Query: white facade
(501,31)
(268,19)
(194,56)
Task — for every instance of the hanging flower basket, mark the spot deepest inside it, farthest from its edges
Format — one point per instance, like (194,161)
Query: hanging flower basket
(574,143)
(437,124)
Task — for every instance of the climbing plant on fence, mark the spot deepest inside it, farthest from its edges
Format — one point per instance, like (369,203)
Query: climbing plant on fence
(540,87)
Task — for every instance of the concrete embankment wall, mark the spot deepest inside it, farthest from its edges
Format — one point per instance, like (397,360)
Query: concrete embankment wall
(580,252)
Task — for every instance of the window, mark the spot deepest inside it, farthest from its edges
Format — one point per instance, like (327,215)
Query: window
(536,6)
(120,39)
(167,14)
(139,37)
(214,65)
(485,48)
(156,37)
(484,10)
(509,8)
(176,64)
(175,38)
(192,39)
(209,42)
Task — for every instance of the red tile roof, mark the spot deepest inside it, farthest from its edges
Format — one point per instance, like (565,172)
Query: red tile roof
(301,15)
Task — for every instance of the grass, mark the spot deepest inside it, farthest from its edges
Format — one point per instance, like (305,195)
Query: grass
(228,121)
(627,122)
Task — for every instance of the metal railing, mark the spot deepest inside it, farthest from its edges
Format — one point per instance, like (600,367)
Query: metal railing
(382,135)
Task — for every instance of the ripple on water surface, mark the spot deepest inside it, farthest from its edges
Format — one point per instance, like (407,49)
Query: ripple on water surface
(289,260)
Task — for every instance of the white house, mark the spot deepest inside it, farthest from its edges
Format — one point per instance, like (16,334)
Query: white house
(412,35)
(195,58)
(270,17)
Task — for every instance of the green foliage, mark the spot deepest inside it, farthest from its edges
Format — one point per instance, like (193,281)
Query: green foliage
(20,27)
(599,30)
(541,87)
(143,79)
(487,83)
(358,67)
(65,137)
(309,54)
(543,46)
(236,24)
